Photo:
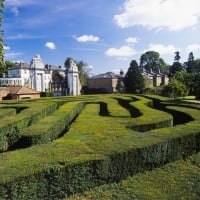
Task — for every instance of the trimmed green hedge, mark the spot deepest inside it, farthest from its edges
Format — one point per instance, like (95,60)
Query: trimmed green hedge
(177,180)
(52,126)
(150,118)
(96,150)
(114,110)
(11,126)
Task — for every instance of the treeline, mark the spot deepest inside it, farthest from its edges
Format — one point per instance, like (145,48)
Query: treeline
(184,78)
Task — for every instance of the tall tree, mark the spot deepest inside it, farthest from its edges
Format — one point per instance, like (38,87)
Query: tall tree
(177,56)
(2,64)
(190,57)
(176,66)
(190,64)
(197,65)
(151,60)
(134,81)
(83,70)
(193,66)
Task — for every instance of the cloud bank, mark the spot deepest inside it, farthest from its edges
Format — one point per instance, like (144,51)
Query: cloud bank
(174,15)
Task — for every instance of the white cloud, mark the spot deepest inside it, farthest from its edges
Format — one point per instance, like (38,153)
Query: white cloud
(124,51)
(15,11)
(87,38)
(132,40)
(6,47)
(157,14)
(162,49)
(193,47)
(50,45)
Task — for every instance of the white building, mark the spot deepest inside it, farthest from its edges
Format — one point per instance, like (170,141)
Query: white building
(39,77)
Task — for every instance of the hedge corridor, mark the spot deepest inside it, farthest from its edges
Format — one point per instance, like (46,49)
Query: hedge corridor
(60,147)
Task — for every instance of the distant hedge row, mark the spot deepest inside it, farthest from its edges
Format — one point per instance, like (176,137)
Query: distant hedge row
(150,118)
(96,150)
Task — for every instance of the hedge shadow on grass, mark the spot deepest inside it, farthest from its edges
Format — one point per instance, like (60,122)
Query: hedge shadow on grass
(178,116)
(103,111)
(134,112)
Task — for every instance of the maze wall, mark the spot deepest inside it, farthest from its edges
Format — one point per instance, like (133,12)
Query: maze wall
(55,147)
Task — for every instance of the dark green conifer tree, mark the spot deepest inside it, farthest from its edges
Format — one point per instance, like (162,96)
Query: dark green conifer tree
(134,81)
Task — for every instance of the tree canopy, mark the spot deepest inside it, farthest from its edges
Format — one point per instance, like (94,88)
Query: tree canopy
(177,56)
(175,89)
(151,60)
(134,81)
(193,66)
(176,66)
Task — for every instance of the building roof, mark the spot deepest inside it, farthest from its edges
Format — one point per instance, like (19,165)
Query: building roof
(107,75)
(20,66)
(21,90)
(27,66)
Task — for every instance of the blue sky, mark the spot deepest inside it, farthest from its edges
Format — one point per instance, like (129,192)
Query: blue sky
(105,34)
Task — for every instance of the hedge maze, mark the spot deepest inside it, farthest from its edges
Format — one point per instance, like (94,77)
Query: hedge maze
(61,148)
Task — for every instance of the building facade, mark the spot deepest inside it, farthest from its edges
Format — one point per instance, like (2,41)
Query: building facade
(112,83)
(154,79)
(39,77)
(106,83)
